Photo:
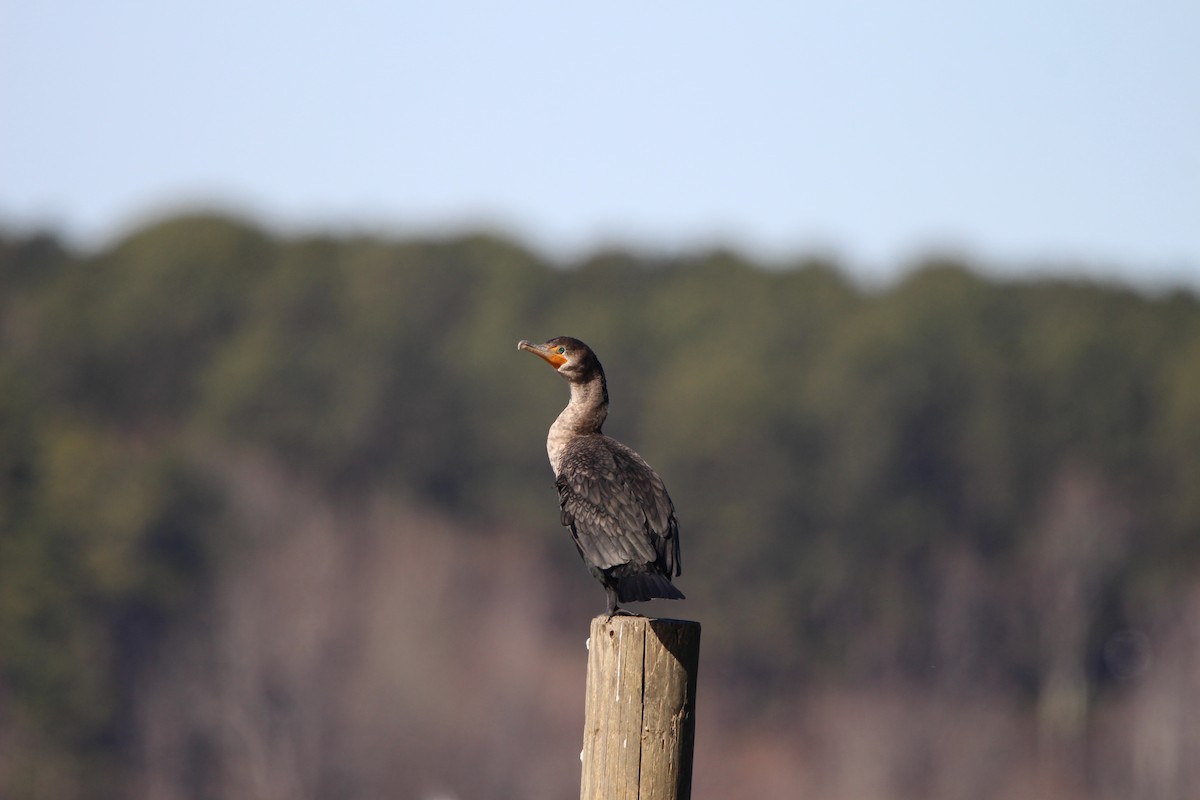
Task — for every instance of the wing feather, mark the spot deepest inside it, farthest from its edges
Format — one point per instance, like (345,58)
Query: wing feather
(616,506)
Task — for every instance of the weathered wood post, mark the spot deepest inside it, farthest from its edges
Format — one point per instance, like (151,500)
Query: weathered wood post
(640,710)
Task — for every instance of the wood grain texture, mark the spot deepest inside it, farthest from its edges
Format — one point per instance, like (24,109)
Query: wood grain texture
(640,709)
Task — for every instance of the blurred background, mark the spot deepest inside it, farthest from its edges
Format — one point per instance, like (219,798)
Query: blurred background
(901,302)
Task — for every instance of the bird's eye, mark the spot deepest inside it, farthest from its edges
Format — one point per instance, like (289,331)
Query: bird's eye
(562,350)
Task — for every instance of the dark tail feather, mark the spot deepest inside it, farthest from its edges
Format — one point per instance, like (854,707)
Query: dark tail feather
(646,586)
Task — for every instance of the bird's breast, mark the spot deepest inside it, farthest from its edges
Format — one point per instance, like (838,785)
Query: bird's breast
(556,444)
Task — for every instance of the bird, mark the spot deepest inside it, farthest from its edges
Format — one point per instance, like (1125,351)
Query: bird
(616,507)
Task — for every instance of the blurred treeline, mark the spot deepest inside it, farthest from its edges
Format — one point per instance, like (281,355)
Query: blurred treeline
(954,484)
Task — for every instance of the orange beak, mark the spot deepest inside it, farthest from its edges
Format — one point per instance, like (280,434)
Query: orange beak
(550,355)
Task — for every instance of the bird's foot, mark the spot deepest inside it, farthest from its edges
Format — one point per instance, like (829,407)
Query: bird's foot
(619,612)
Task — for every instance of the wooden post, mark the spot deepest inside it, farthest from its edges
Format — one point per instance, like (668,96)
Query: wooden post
(640,711)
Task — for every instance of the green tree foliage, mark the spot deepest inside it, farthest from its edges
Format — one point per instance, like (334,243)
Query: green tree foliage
(830,449)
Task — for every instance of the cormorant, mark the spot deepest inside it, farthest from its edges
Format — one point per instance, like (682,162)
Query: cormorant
(618,510)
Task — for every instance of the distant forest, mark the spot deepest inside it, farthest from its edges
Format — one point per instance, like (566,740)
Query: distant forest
(954,483)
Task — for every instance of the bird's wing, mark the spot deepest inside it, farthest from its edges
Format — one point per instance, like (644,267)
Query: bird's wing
(651,496)
(617,508)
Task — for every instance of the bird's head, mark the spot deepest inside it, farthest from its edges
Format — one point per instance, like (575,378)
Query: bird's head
(573,359)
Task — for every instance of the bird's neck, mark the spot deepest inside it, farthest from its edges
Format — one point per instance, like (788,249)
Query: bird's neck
(584,414)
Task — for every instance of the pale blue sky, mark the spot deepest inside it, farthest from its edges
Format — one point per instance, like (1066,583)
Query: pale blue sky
(1018,132)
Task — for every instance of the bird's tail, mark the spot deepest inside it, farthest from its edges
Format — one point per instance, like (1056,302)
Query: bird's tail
(646,586)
